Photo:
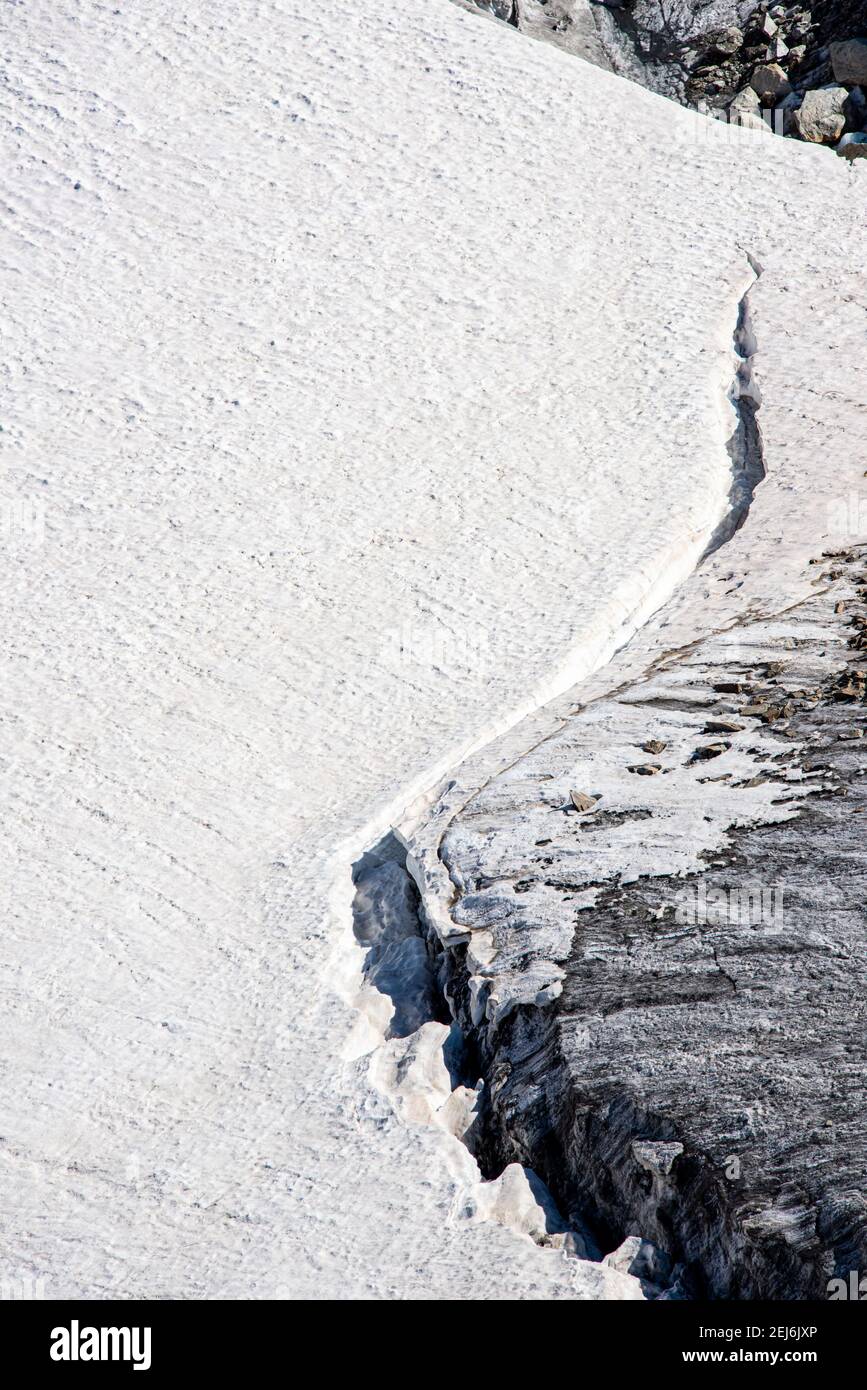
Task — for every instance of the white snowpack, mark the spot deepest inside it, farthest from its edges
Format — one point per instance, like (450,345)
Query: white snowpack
(365,382)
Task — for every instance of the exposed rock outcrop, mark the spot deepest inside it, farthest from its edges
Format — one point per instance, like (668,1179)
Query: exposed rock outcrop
(678,1053)
(710,55)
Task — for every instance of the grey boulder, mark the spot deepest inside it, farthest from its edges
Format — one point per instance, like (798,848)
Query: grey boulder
(821,118)
(770,83)
(849,60)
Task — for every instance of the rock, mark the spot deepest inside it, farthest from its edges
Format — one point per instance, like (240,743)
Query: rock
(852,685)
(656,1156)
(749,116)
(581,801)
(566,24)
(849,60)
(856,108)
(821,118)
(737,1037)
(777,49)
(500,9)
(771,83)
(704,54)
(853,146)
(810,78)
(726,42)
(746,100)
(709,750)
(771,713)
(646,769)
(722,726)
(745,110)
(653,745)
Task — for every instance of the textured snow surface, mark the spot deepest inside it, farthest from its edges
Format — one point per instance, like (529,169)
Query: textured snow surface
(365,376)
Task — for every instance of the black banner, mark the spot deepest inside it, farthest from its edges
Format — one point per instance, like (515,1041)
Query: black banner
(165,1340)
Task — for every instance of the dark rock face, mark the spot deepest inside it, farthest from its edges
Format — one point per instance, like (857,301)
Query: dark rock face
(840,19)
(704,55)
(699,1078)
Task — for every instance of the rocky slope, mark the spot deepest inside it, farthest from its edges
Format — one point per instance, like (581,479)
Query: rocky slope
(799,70)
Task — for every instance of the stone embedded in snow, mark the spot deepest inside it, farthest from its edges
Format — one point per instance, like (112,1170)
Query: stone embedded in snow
(851,686)
(500,9)
(581,801)
(709,750)
(849,60)
(653,745)
(722,726)
(645,769)
(853,146)
(771,83)
(821,117)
